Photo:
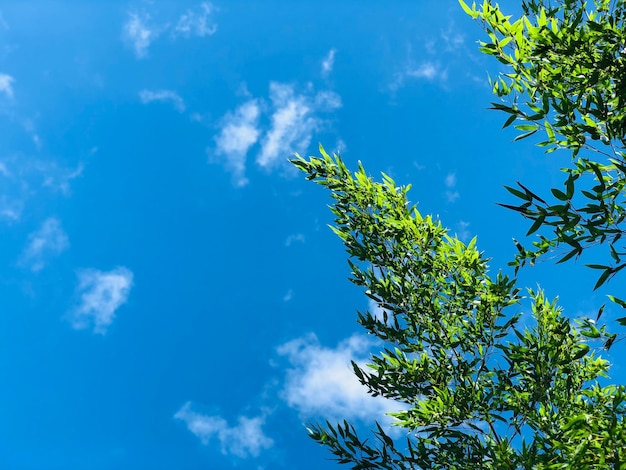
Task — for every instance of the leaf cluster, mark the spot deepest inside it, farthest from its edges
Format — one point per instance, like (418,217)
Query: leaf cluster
(479,384)
(565,75)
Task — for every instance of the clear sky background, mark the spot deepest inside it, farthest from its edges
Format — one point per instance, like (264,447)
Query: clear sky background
(171,295)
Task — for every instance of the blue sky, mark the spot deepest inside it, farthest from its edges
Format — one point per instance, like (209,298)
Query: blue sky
(171,295)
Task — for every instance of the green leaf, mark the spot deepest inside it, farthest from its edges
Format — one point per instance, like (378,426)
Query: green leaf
(597,266)
(602,279)
(529,192)
(559,194)
(519,194)
(523,136)
(467,9)
(536,224)
(549,130)
(526,127)
(619,302)
(584,349)
(510,120)
(569,185)
(600,312)
(570,255)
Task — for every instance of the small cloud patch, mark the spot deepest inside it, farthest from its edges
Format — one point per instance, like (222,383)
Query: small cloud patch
(164,96)
(100,294)
(451,193)
(196,23)
(328,63)
(48,241)
(138,34)
(321,381)
(239,131)
(295,238)
(243,439)
(428,71)
(140,31)
(463,231)
(293,119)
(6,84)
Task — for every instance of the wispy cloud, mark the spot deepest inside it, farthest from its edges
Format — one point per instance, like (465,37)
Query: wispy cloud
(296,237)
(452,38)
(58,178)
(243,439)
(321,381)
(293,119)
(239,131)
(451,193)
(140,31)
(10,209)
(48,241)
(439,57)
(427,70)
(100,294)
(328,63)
(293,122)
(139,34)
(23,179)
(6,84)
(196,23)
(462,231)
(148,96)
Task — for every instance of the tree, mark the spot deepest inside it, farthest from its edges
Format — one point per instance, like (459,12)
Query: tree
(479,391)
(565,78)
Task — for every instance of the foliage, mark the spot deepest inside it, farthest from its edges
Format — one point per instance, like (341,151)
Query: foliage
(482,383)
(565,75)
(477,388)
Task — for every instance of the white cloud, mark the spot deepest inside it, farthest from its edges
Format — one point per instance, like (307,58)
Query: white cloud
(10,209)
(463,232)
(450,182)
(139,34)
(3,22)
(453,39)
(452,195)
(22,180)
(196,23)
(293,122)
(293,119)
(6,84)
(243,439)
(328,63)
(326,101)
(148,96)
(100,295)
(58,178)
(240,131)
(297,237)
(428,71)
(321,381)
(48,241)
